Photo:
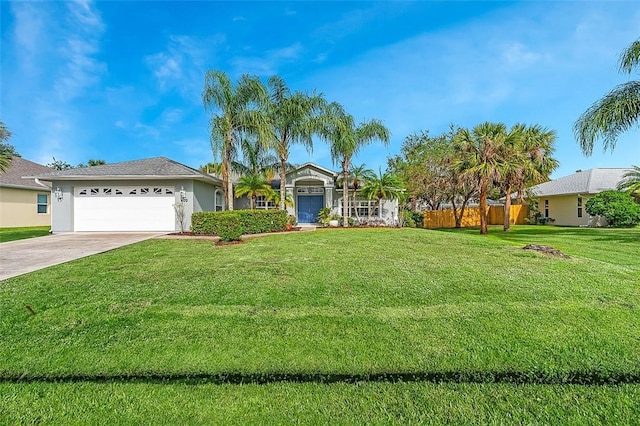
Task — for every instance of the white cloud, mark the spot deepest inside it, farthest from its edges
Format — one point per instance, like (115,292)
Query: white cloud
(269,62)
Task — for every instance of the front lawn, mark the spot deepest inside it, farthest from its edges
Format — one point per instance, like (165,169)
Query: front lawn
(12,234)
(394,325)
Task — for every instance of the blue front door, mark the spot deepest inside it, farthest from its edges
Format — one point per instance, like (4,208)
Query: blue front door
(308,208)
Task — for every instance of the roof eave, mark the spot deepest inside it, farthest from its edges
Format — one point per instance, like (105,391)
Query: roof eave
(49,178)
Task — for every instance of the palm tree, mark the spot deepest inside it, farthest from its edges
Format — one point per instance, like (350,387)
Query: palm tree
(294,119)
(256,159)
(616,112)
(346,139)
(5,157)
(237,112)
(387,186)
(525,160)
(631,182)
(275,197)
(358,175)
(252,185)
(480,155)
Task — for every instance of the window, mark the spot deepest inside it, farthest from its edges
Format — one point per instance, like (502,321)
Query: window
(262,203)
(218,204)
(579,206)
(546,208)
(362,206)
(310,190)
(43,203)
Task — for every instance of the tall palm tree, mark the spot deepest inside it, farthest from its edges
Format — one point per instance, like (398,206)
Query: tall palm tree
(252,185)
(346,139)
(631,182)
(358,175)
(295,118)
(5,157)
(525,160)
(256,159)
(387,186)
(617,112)
(237,112)
(480,155)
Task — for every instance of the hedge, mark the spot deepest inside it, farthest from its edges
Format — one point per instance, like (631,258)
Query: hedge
(230,225)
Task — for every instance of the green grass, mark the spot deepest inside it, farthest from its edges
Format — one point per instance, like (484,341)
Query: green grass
(12,234)
(334,324)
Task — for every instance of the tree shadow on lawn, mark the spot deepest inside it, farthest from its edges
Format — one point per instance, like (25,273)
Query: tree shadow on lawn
(589,377)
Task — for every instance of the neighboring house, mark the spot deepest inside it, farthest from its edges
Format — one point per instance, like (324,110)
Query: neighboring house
(130,196)
(24,202)
(564,199)
(312,187)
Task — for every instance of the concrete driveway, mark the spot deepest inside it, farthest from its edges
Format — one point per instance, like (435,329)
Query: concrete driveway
(23,256)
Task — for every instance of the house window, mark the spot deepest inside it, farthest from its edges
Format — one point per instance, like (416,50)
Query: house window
(362,206)
(579,206)
(43,203)
(546,208)
(262,203)
(218,203)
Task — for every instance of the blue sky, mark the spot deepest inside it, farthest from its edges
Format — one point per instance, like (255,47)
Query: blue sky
(123,80)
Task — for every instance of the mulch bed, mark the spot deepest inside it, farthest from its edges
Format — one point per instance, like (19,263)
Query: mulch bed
(545,249)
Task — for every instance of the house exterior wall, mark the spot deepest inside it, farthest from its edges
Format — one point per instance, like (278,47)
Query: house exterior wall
(19,207)
(564,209)
(199,197)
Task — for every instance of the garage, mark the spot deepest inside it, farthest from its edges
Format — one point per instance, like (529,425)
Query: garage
(124,208)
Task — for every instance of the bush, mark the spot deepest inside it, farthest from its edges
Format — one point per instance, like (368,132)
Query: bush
(230,225)
(617,207)
(406,219)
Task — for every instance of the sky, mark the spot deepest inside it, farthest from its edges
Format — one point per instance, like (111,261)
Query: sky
(123,80)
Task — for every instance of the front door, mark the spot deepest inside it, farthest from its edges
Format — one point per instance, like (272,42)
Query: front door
(308,208)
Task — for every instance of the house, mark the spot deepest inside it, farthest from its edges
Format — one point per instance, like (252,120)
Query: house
(24,202)
(141,195)
(564,199)
(312,187)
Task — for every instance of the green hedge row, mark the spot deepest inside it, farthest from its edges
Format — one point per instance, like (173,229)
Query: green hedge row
(230,225)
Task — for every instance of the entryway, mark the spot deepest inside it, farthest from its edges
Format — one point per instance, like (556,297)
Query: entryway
(309,207)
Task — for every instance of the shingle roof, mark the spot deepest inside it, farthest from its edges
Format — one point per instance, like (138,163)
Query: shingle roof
(157,167)
(14,176)
(590,181)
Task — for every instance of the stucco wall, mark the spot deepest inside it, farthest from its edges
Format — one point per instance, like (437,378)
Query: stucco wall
(564,209)
(19,207)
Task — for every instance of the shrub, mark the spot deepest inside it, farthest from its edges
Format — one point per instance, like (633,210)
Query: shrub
(617,207)
(406,219)
(230,225)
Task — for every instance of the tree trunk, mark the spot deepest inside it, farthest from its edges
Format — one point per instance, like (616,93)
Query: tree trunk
(484,183)
(345,194)
(506,227)
(283,177)
(456,216)
(521,194)
(226,176)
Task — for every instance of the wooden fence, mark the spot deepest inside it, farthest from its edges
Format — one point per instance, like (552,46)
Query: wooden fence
(445,219)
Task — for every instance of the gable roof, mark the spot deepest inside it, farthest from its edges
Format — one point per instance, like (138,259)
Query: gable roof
(590,181)
(315,166)
(14,176)
(148,168)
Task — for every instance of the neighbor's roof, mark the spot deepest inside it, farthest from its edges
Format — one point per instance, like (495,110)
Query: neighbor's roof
(14,176)
(590,181)
(148,168)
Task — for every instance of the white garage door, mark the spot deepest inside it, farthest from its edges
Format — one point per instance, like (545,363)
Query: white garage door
(113,208)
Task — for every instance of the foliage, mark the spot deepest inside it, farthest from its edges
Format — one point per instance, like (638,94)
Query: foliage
(324,216)
(59,165)
(407,219)
(275,197)
(7,151)
(346,139)
(92,162)
(617,112)
(294,118)
(358,175)
(479,154)
(617,207)
(211,168)
(231,225)
(292,220)
(253,185)
(238,111)
(384,186)
(631,183)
